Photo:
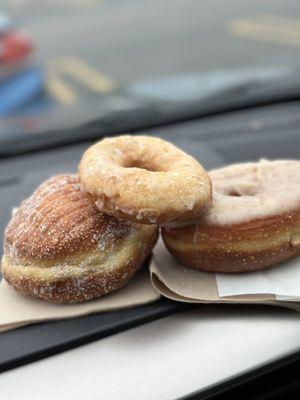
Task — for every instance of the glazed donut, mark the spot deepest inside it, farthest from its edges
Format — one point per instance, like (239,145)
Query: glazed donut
(254,221)
(146,180)
(60,248)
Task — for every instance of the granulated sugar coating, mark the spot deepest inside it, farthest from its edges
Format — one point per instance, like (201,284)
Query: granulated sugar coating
(59,219)
(60,247)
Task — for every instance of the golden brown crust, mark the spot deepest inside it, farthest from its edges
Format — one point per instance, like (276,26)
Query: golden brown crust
(59,219)
(59,247)
(146,180)
(240,248)
(75,289)
(219,244)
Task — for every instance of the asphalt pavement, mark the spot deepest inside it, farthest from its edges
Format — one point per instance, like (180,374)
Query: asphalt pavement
(93,45)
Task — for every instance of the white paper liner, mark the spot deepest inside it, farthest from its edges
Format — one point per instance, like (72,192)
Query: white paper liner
(281,280)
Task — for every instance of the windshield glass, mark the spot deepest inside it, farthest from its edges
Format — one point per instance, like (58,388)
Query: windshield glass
(67,63)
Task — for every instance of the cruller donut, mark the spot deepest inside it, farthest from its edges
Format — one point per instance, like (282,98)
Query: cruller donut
(254,221)
(60,248)
(146,180)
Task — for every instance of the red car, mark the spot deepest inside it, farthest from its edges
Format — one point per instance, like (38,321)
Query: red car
(15,45)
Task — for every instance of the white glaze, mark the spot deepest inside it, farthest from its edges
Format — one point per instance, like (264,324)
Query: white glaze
(264,188)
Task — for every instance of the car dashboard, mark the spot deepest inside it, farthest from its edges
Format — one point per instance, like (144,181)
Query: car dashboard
(262,132)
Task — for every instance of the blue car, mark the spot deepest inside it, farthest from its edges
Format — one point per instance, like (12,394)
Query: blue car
(21,78)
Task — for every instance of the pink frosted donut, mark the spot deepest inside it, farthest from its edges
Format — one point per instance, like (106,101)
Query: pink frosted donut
(254,221)
(146,180)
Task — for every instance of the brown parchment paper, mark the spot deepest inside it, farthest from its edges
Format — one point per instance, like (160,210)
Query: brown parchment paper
(168,278)
(17,310)
(173,280)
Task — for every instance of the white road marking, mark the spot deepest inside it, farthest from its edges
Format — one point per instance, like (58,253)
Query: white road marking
(268,28)
(78,70)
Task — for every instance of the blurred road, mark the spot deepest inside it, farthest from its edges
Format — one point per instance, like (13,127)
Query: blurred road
(100,44)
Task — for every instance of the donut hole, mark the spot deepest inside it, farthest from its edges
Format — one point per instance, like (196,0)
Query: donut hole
(234,193)
(246,189)
(141,165)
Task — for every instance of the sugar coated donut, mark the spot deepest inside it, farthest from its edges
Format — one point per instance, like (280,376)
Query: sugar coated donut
(60,248)
(254,221)
(146,180)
